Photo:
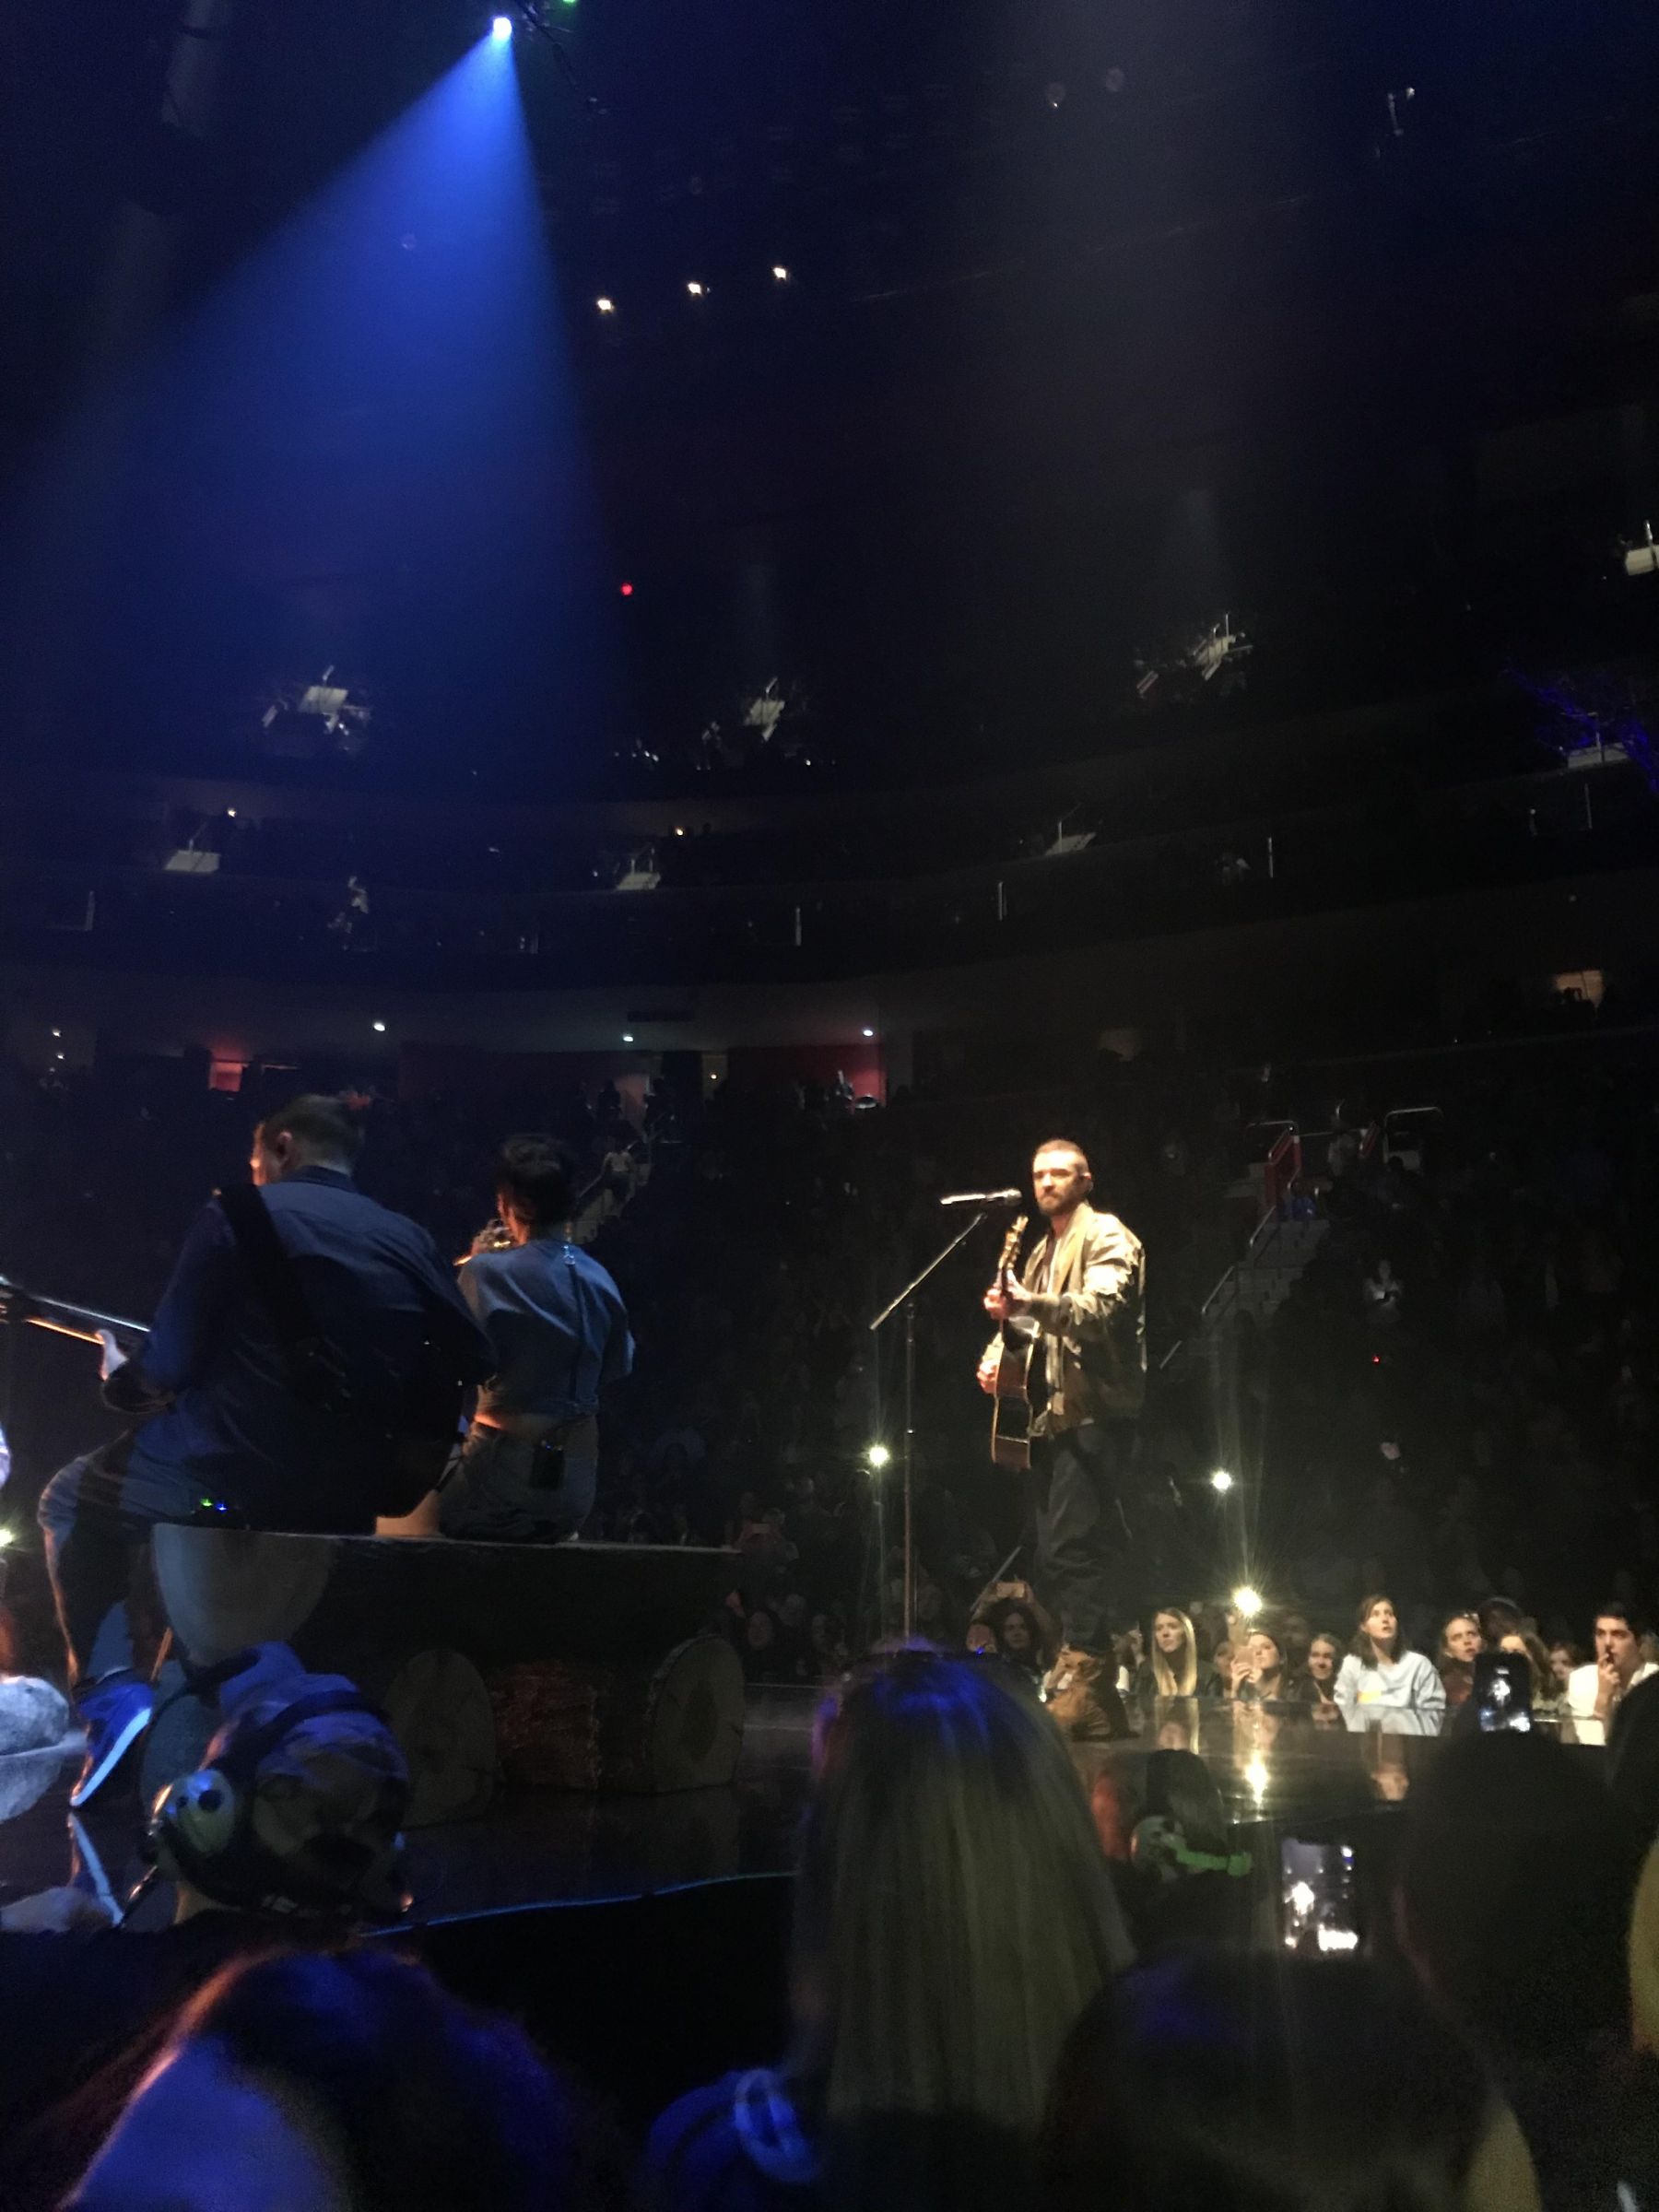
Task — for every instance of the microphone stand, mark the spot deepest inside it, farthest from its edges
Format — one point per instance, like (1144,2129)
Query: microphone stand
(907,1299)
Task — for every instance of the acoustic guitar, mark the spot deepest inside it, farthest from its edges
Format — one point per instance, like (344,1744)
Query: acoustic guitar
(1011,1409)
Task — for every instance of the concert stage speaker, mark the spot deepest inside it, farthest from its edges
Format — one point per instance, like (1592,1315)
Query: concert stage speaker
(585,1667)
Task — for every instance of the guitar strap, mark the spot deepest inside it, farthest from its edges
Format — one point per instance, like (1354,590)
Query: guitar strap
(1037,1374)
(313,1369)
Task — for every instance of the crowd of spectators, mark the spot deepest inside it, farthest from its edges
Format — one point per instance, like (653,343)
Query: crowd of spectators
(1001,1985)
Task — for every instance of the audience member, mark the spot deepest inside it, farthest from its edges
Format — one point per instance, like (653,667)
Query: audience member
(1515,1894)
(954,1915)
(1173,1660)
(290,1830)
(1267,2083)
(1460,1640)
(349,2082)
(1017,1637)
(1381,1674)
(1325,1660)
(1595,1692)
(1633,1758)
(1267,1678)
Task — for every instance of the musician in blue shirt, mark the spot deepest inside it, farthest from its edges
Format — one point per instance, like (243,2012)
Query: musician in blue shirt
(221,1425)
(558,1332)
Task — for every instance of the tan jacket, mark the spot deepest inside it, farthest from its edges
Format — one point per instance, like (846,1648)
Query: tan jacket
(1093,1322)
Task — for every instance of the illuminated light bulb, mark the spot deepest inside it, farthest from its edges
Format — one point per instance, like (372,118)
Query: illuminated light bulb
(698,291)
(380,1029)
(878,1456)
(780,274)
(1221,1480)
(605,305)
(501,27)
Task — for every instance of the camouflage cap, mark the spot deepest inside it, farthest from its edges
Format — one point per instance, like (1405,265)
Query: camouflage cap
(329,1796)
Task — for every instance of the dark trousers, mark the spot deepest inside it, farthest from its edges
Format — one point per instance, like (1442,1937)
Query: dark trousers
(1079,1479)
(96,1514)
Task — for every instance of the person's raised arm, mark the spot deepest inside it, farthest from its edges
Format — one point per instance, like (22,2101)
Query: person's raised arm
(455,1334)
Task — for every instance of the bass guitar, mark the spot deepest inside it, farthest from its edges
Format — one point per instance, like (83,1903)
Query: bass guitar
(1011,1409)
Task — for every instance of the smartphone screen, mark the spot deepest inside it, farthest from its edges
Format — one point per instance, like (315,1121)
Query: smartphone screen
(1501,1691)
(1318,1908)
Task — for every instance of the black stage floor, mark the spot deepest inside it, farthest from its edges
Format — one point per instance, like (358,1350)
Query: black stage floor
(550,1847)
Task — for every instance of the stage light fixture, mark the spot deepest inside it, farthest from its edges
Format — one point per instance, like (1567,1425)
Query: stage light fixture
(380,1029)
(698,291)
(1247,1601)
(605,305)
(501,27)
(1221,1481)
(878,1456)
(628,1036)
(57,1032)
(626,589)
(869,1033)
(780,274)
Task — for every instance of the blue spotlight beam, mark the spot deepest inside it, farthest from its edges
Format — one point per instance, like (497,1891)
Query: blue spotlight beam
(365,448)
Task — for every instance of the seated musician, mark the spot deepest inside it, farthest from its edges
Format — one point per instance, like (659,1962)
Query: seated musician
(558,1330)
(222,1427)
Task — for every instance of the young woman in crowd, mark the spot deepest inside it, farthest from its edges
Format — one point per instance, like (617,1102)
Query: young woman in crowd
(1325,1660)
(1325,1657)
(1170,1669)
(1262,1675)
(1257,2083)
(1017,1636)
(1380,1674)
(1547,1694)
(1459,1643)
(346,2082)
(954,1914)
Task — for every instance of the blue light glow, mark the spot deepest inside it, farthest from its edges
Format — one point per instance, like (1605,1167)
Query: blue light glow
(501,27)
(365,449)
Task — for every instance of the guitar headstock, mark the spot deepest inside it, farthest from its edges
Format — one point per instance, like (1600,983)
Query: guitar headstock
(1010,1250)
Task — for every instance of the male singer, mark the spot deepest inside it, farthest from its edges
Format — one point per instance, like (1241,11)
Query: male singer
(1084,1290)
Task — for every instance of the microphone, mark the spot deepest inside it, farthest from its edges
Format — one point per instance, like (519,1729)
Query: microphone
(984,1198)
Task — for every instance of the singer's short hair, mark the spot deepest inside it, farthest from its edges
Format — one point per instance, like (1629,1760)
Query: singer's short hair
(1065,1144)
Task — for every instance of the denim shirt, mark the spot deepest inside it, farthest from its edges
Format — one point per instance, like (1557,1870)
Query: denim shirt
(377,1290)
(556,1323)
